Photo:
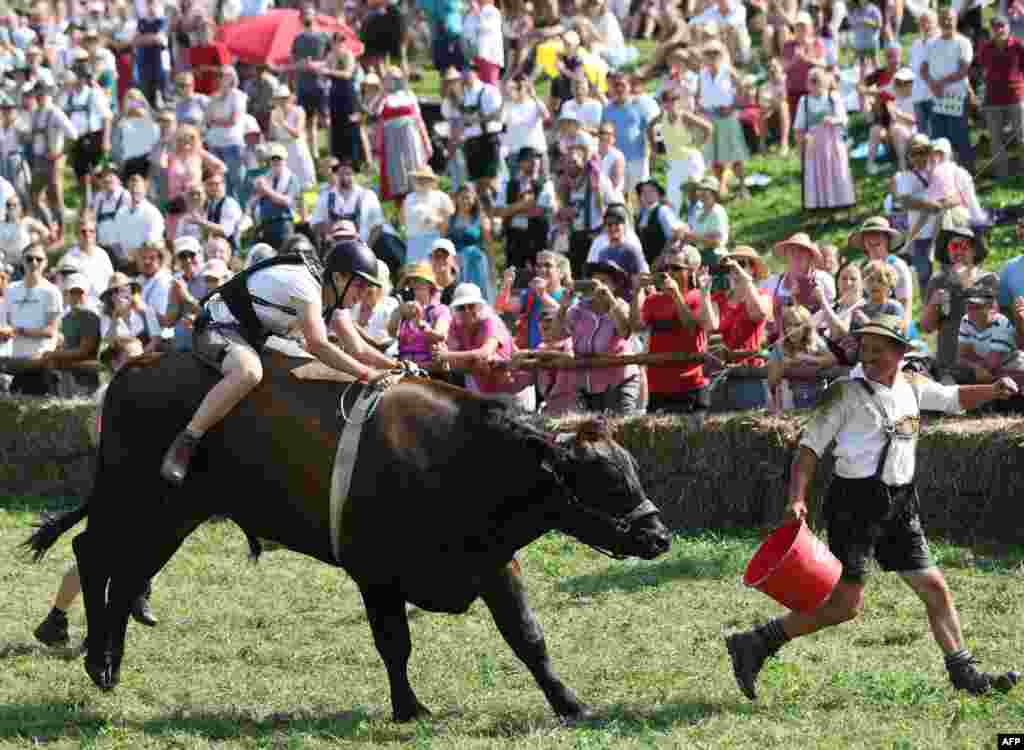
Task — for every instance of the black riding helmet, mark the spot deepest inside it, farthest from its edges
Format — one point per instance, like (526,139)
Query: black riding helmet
(352,257)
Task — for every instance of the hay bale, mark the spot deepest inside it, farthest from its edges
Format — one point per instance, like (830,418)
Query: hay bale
(733,472)
(45,447)
(729,473)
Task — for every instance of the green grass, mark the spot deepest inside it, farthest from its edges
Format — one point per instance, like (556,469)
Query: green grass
(279,655)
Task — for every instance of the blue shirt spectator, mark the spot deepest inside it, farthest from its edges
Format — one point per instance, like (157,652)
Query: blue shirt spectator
(1011,282)
(630,123)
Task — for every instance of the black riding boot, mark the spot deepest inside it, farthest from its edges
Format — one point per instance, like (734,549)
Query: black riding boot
(965,676)
(749,651)
(175,465)
(53,631)
(141,611)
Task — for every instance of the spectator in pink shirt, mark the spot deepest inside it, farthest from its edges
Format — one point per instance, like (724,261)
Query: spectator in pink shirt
(478,338)
(556,389)
(598,324)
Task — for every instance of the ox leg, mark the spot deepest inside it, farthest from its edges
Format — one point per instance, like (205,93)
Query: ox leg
(385,608)
(94,574)
(505,596)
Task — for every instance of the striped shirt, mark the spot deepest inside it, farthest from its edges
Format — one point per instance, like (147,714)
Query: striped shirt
(998,338)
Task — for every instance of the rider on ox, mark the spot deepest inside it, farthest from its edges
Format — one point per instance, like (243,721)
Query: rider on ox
(872,505)
(276,297)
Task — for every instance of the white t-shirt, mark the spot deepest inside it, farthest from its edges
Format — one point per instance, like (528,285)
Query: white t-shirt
(918,54)
(524,126)
(945,56)
(589,113)
(717,90)
(282,285)
(134,227)
(908,184)
(418,209)
(490,42)
(222,107)
(138,136)
(24,307)
(377,325)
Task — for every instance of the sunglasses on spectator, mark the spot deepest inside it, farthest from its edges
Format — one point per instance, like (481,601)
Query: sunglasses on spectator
(34,259)
(87,230)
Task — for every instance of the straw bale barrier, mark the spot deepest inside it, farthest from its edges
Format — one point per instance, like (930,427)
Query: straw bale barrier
(45,446)
(732,473)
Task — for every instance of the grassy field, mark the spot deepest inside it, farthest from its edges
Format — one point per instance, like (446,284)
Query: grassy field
(279,655)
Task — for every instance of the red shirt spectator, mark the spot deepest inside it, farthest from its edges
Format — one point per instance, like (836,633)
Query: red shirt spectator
(739,332)
(668,334)
(1003,63)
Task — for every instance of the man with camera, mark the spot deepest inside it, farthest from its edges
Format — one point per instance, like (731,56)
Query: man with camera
(675,305)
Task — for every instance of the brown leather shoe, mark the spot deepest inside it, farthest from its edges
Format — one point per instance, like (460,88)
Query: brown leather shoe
(175,466)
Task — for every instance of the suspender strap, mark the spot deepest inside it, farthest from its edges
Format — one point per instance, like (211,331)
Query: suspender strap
(888,424)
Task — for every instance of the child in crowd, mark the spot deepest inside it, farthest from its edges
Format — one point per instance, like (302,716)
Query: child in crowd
(799,346)
(987,340)
(880,280)
(774,104)
(555,388)
(900,125)
(865,23)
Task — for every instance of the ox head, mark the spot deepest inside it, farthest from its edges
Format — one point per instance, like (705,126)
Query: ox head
(606,506)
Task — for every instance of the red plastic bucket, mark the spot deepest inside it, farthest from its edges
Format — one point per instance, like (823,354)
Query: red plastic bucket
(794,568)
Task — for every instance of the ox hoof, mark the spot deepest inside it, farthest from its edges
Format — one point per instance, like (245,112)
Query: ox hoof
(411,713)
(101,674)
(578,714)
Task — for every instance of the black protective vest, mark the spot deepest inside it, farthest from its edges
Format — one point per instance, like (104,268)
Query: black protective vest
(240,301)
(538,226)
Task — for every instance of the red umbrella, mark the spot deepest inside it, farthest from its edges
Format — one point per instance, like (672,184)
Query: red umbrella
(267,39)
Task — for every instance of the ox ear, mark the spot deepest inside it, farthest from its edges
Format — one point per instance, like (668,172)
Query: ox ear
(594,431)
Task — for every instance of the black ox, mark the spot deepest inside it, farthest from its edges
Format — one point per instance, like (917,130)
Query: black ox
(447,486)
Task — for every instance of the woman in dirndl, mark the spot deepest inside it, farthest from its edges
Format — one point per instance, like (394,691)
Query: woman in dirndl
(820,127)
(402,144)
(717,100)
(469,229)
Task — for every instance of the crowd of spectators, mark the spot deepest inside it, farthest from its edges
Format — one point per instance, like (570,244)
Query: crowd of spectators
(188,164)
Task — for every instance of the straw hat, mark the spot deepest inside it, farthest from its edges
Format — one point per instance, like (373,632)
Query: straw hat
(800,241)
(749,253)
(118,281)
(419,272)
(887,326)
(451,74)
(371,79)
(711,185)
(877,224)
(467,293)
(425,172)
(920,142)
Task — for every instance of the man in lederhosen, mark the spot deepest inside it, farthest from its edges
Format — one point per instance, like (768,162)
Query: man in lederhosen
(344,200)
(275,198)
(872,505)
(90,114)
(586,193)
(526,211)
(656,223)
(109,201)
(223,214)
(482,121)
(50,130)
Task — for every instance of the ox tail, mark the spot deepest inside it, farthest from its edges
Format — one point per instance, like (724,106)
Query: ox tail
(49,529)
